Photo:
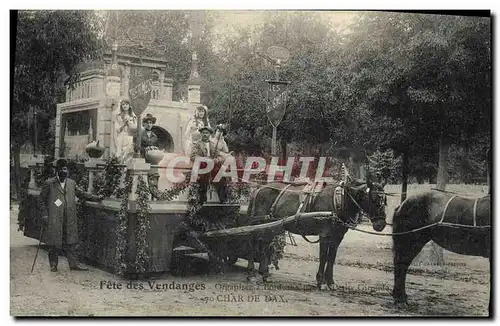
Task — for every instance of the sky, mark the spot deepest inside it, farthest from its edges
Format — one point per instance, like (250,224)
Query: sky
(248,18)
(227,20)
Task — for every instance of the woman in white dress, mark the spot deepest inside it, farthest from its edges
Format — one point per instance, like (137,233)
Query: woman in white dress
(124,127)
(199,119)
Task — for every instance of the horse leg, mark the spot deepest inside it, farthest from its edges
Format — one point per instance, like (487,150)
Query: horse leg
(406,248)
(333,246)
(323,247)
(264,260)
(251,259)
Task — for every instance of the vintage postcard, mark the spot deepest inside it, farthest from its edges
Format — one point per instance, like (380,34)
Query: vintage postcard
(250,163)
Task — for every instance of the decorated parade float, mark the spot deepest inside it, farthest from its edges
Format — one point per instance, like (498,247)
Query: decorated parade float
(129,141)
(141,223)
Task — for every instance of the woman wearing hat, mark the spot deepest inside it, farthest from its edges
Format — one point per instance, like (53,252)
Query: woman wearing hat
(149,140)
(199,120)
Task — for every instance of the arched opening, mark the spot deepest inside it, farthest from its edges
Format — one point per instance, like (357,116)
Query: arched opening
(165,141)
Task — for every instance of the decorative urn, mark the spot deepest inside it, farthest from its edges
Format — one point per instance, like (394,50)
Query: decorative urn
(94,150)
(154,155)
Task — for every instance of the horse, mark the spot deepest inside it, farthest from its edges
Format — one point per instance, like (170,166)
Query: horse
(457,224)
(359,197)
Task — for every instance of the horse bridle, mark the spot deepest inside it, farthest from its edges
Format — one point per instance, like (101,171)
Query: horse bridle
(344,223)
(369,213)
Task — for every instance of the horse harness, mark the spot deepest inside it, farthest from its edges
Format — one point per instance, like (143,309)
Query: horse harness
(474,214)
(441,222)
(308,195)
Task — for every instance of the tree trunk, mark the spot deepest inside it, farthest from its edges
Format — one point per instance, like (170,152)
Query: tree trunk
(442,175)
(436,256)
(283,145)
(16,175)
(404,186)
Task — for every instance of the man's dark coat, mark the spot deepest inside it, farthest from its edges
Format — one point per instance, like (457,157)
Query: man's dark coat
(49,196)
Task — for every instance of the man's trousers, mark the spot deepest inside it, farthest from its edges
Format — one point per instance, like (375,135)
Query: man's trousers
(71,254)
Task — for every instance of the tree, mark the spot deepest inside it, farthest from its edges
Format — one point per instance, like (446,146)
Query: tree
(427,77)
(385,166)
(49,45)
(314,111)
(412,73)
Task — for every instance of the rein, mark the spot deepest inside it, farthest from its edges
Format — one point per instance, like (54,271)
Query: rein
(451,225)
(440,223)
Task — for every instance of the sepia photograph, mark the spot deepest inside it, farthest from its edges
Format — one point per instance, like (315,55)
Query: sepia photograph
(250,163)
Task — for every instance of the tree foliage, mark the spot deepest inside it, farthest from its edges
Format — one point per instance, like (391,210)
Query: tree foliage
(395,81)
(382,81)
(422,77)
(49,45)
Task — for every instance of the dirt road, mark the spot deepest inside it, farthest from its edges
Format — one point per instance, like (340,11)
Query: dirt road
(363,277)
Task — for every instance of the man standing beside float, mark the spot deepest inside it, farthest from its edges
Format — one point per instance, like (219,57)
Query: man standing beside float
(58,208)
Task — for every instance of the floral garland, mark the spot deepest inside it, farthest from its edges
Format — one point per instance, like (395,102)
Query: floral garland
(80,206)
(142,227)
(194,206)
(170,194)
(107,183)
(277,248)
(238,192)
(112,172)
(121,230)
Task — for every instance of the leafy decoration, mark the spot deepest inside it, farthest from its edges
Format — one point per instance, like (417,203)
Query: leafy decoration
(121,230)
(277,248)
(169,194)
(142,227)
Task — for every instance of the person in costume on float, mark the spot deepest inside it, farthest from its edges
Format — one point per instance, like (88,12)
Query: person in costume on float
(199,120)
(124,127)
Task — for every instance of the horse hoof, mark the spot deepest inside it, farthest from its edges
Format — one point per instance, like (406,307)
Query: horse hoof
(330,286)
(264,279)
(251,279)
(323,287)
(401,305)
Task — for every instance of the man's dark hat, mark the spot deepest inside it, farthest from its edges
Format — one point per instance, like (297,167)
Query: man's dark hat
(206,128)
(60,163)
(149,117)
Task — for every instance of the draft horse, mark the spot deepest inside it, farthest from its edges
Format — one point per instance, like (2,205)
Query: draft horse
(345,201)
(457,224)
